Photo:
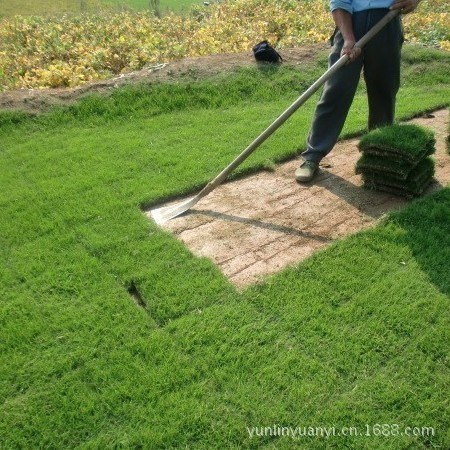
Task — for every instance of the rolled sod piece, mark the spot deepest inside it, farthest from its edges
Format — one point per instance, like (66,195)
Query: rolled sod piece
(416,182)
(397,191)
(407,142)
(384,165)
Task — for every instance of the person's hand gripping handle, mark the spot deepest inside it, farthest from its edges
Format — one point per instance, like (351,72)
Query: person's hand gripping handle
(343,20)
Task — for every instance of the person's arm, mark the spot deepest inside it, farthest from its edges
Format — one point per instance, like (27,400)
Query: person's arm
(343,20)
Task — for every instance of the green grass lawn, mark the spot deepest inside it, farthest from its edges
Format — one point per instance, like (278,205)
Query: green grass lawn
(358,334)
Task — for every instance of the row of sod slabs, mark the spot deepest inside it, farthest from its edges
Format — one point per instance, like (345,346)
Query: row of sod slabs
(396,159)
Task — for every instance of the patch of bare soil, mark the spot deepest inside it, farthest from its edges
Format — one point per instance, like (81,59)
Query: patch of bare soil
(36,100)
(260,224)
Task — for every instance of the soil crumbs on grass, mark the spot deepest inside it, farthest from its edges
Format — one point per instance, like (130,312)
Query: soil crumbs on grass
(258,225)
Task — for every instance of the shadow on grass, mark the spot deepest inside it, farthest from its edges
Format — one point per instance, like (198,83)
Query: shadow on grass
(268,68)
(426,223)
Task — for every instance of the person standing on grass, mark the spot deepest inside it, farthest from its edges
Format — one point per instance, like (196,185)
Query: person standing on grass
(380,60)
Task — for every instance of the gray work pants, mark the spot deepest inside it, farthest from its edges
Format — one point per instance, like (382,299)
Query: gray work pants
(380,61)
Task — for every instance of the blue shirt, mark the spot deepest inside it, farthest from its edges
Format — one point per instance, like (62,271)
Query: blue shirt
(359,5)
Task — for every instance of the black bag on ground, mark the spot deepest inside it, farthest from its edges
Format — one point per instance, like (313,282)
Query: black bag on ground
(263,51)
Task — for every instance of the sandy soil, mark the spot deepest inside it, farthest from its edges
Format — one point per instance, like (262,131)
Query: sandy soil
(258,225)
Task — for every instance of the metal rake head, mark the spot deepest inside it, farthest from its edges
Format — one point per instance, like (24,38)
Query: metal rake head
(162,215)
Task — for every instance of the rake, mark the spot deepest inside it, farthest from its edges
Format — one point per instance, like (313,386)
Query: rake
(162,215)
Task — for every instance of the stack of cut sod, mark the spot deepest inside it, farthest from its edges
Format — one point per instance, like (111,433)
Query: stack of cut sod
(396,159)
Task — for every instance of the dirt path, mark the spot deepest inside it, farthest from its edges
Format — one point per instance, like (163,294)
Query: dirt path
(258,225)
(35,100)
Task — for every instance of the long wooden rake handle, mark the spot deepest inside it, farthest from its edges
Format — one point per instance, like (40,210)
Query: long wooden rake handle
(289,111)
(161,215)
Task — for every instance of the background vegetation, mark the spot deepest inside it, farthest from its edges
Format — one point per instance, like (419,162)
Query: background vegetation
(49,7)
(71,50)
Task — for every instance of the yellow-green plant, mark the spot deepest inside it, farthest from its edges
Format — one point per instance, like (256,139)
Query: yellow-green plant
(37,52)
